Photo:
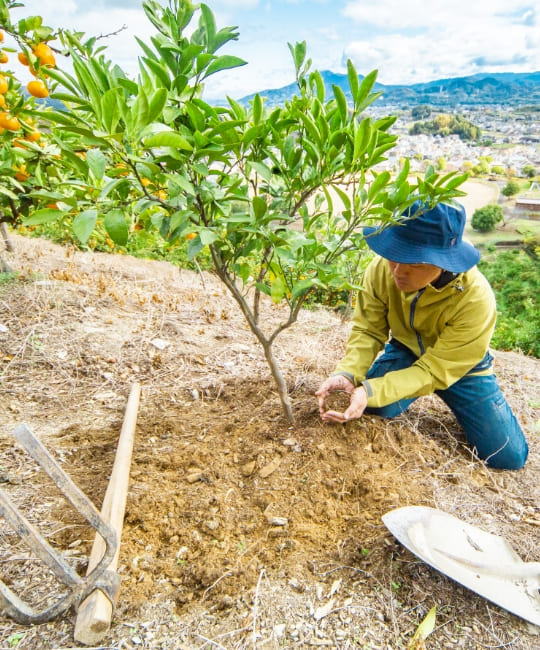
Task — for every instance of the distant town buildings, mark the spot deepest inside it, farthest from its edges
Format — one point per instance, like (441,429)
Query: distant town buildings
(512,141)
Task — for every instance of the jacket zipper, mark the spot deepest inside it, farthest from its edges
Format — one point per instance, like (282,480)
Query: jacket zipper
(411,321)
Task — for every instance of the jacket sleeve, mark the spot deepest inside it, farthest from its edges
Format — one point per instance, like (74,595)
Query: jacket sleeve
(369,331)
(461,345)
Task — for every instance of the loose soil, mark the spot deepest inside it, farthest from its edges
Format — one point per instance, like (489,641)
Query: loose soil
(241,530)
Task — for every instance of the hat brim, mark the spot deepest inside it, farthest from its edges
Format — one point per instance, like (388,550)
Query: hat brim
(389,244)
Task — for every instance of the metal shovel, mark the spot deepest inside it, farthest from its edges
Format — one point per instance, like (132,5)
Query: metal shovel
(478,560)
(78,587)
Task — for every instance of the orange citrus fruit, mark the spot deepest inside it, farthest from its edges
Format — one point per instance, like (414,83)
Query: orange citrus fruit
(37,88)
(1,35)
(33,136)
(21,173)
(44,54)
(2,101)
(191,235)
(4,57)
(3,85)
(23,58)
(8,122)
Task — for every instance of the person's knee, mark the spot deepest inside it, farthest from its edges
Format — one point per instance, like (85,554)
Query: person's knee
(511,457)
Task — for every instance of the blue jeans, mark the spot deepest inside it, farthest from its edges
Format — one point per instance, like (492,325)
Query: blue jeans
(478,404)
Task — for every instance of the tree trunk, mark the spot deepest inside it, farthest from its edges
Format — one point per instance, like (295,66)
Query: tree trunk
(280,381)
(224,276)
(5,236)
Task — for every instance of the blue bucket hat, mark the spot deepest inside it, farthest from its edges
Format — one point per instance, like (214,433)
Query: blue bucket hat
(433,237)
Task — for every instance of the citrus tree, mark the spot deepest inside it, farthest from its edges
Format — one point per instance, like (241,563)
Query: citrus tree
(277,196)
(28,158)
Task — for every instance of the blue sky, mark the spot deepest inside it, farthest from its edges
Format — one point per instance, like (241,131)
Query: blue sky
(407,41)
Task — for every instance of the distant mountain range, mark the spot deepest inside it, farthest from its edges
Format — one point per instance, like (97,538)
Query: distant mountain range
(508,88)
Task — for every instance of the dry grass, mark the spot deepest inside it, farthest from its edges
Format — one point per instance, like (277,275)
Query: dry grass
(81,328)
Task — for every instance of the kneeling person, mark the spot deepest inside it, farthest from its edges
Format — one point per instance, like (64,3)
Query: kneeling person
(426,305)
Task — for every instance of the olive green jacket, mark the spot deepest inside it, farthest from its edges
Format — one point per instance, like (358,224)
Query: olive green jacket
(449,329)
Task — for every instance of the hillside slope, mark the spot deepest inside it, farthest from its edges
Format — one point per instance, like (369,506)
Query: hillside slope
(241,530)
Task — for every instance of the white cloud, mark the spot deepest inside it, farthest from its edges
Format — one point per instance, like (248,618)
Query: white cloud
(407,42)
(235,4)
(420,15)
(448,40)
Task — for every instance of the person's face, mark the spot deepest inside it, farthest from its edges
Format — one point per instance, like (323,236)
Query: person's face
(413,277)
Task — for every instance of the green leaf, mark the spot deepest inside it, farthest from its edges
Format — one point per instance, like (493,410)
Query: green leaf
(140,112)
(404,172)
(257,109)
(157,103)
(378,184)
(261,169)
(264,288)
(456,182)
(288,150)
(159,71)
(88,136)
(259,207)
(312,153)
(224,62)
(365,88)
(203,60)
(208,237)
(329,200)
(66,98)
(116,225)
(182,182)
(311,129)
(43,33)
(88,85)
(345,198)
(96,162)
(319,83)
(243,271)
(237,108)
(195,115)
(83,224)
(112,185)
(353,78)
(303,286)
(167,139)
(299,55)
(209,24)
(8,193)
(278,289)
(341,101)
(195,246)
(377,154)
(128,85)
(39,217)
(425,628)
(362,138)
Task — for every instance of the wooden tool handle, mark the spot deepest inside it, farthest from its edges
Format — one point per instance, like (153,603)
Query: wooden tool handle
(95,612)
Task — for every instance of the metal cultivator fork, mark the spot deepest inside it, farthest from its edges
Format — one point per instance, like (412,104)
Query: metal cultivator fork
(78,587)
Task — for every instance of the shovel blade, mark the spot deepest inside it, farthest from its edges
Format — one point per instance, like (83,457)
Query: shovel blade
(480,561)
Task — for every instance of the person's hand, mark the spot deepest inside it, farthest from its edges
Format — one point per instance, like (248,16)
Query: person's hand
(357,405)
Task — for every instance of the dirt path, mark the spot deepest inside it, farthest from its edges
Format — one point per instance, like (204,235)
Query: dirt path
(479,194)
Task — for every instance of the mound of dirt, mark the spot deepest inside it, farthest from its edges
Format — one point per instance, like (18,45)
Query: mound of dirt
(241,530)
